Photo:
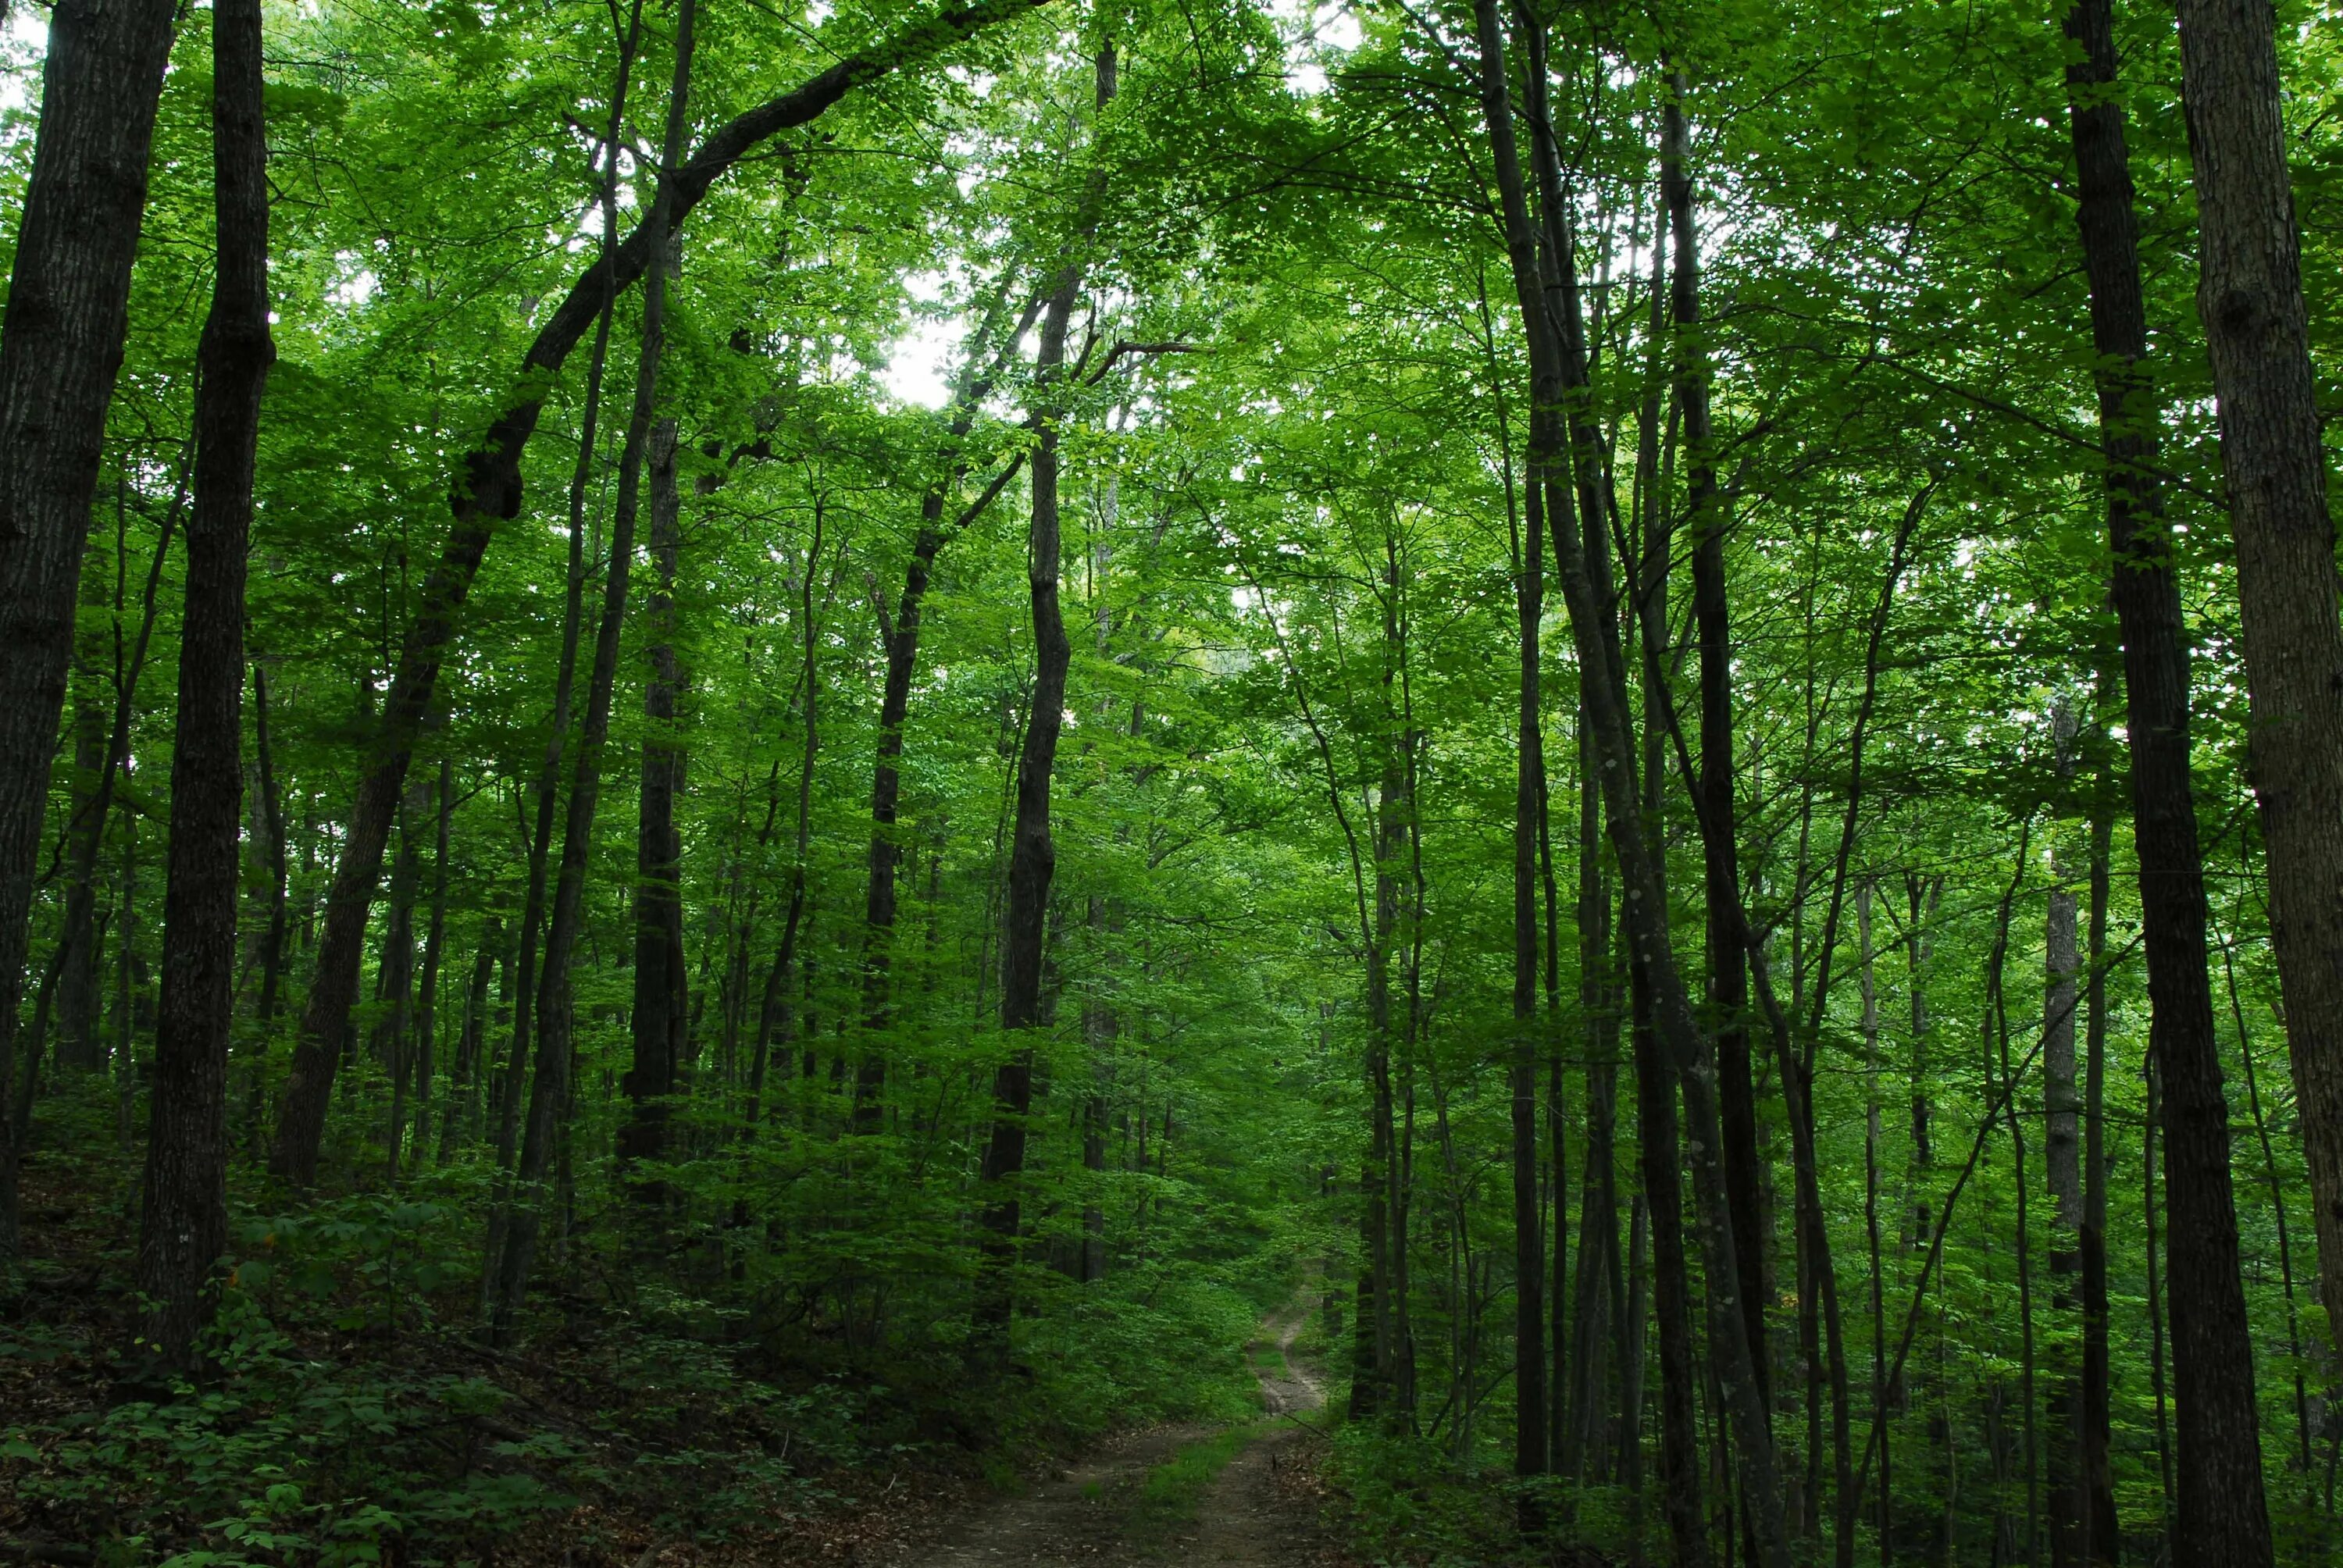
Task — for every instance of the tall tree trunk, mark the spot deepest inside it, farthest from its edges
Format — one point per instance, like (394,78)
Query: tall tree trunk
(485,493)
(60,348)
(2062,1157)
(457,1121)
(272,946)
(546,793)
(1728,970)
(550,1087)
(1871,1140)
(1680,1479)
(2251,299)
(88,833)
(183,1227)
(2095,1483)
(427,988)
(2005,1090)
(1595,635)
(773,1007)
(1033,855)
(1530,1456)
(80,1045)
(395,971)
(2249,295)
(659,1045)
(2277,1212)
(986,358)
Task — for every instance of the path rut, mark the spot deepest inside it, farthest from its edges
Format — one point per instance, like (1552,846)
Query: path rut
(1257,1511)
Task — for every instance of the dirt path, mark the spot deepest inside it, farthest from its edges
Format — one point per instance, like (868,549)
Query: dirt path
(1262,1509)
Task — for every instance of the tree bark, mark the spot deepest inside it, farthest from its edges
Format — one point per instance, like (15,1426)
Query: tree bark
(2095,1483)
(1033,855)
(60,348)
(1680,1480)
(184,1224)
(658,998)
(1707,509)
(1530,1455)
(272,946)
(427,988)
(550,1087)
(546,791)
(488,492)
(986,359)
(2249,295)
(1595,635)
(80,1045)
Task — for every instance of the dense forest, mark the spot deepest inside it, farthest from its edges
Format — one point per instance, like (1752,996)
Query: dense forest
(1564,779)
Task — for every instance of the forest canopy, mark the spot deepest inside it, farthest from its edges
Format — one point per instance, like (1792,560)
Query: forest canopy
(751,748)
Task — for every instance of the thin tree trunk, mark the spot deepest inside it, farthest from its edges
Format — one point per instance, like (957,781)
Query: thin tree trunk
(1707,509)
(2249,295)
(1871,1139)
(2277,1213)
(183,1227)
(60,348)
(486,492)
(1033,855)
(659,1046)
(272,946)
(395,973)
(427,989)
(2062,1157)
(77,986)
(1603,674)
(456,1120)
(2101,1536)
(1655,1138)
(549,1089)
(2006,1089)
(986,358)
(1530,1455)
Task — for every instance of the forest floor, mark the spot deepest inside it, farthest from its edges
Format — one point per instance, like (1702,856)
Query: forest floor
(1173,1494)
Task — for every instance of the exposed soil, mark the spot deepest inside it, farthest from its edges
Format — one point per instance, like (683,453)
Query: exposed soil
(1264,1508)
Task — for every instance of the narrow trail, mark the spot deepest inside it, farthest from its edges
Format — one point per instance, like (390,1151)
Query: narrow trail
(1094,1513)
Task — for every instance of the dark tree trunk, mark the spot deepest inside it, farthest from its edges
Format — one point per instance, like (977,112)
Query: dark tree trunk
(1728,971)
(1033,856)
(88,834)
(985,361)
(1530,1454)
(2251,299)
(2096,1502)
(2062,1157)
(183,1226)
(659,1046)
(272,945)
(395,973)
(457,1121)
(1603,676)
(547,792)
(1680,1477)
(427,989)
(2249,295)
(80,1045)
(60,347)
(487,493)
(550,1087)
